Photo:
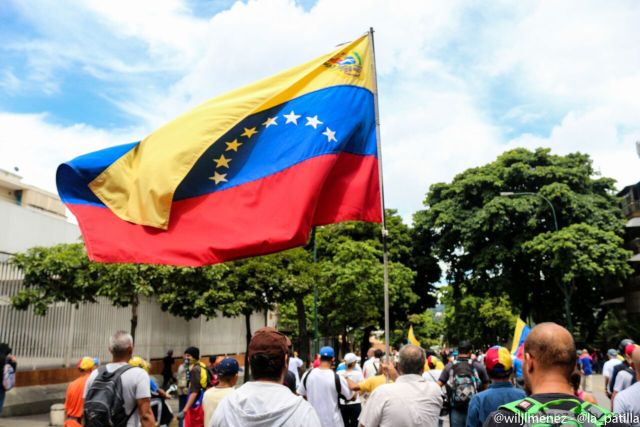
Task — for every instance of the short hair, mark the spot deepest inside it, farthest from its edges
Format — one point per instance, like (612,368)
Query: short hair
(411,360)
(378,354)
(267,367)
(326,358)
(464,347)
(120,342)
(553,347)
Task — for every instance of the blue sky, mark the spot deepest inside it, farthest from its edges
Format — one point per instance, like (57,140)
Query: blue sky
(460,82)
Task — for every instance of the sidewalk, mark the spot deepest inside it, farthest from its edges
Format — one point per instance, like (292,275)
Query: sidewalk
(40,420)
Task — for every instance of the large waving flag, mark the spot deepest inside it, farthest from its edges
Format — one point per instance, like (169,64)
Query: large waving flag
(519,335)
(246,173)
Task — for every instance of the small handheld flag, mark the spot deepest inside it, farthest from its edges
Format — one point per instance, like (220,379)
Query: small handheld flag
(412,338)
(244,174)
(519,335)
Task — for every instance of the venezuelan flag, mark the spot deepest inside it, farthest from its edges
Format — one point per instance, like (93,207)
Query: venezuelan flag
(519,335)
(244,174)
(411,338)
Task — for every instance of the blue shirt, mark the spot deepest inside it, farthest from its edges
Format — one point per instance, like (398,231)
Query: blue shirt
(517,368)
(585,363)
(485,402)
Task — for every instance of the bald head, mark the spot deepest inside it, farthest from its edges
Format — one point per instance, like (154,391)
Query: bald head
(411,360)
(553,348)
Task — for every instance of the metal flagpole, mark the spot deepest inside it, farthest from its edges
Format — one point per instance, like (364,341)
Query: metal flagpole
(385,257)
(316,335)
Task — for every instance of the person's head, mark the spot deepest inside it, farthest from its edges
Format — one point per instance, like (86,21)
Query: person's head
(350,360)
(327,355)
(585,352)
(464,348)
(411,360)
(121,346)
(170,353)
(268,355)
(498,362)
(192,353)
(212,359)
(549,356)
(86,364)
(431,362)
(378,354)
(612,353)
(370,352)
(622,346)
(227,371)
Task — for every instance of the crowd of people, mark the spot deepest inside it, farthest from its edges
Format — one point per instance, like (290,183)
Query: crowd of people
(409,388)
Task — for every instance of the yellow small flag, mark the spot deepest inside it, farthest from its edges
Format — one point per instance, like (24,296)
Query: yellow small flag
(412,338)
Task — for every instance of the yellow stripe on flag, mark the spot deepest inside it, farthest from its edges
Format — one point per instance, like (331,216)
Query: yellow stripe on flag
(516,335)
(139,187)
(412,338)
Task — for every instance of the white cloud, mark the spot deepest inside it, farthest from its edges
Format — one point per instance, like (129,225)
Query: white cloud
(36,147)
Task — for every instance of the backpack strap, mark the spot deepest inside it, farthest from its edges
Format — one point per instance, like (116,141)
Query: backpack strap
(305,377)
(597,414)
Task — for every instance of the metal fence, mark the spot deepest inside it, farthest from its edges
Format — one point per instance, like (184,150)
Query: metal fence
(67,333)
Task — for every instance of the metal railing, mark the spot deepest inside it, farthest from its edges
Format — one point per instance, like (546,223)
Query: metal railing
(67,333)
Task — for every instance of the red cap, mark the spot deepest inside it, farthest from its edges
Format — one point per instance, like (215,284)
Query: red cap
(629,349)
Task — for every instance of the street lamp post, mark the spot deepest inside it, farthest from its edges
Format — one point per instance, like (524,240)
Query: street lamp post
(564,288)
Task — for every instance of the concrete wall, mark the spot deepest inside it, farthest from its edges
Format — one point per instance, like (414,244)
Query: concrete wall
(22,228)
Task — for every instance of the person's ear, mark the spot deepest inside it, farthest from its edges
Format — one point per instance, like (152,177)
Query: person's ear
(529,362)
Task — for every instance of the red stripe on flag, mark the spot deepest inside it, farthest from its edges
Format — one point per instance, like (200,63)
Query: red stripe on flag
(260,217)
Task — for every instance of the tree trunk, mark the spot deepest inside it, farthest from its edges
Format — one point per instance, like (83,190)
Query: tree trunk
(344,345)
(134,317)
(303,335)
(364,344)
(595,325)
(247,323)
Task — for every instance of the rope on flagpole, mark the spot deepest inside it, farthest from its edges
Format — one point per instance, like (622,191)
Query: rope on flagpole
(385,233)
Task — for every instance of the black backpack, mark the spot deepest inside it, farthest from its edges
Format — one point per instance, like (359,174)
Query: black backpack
(104,403)
(464,382)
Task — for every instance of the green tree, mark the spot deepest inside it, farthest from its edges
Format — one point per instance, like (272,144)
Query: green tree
(482,237)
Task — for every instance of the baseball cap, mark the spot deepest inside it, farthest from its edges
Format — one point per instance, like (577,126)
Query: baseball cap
(227,367)
(327,352)
(498,360)
(350,358)
(612,352)
(139,362)
(269,341)
(86,363)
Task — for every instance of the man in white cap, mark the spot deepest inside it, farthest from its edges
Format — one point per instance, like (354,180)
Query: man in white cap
(351,409)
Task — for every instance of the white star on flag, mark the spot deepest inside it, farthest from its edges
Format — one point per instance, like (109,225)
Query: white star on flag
(271,121)
(313,121)
(292,117)
(331,135)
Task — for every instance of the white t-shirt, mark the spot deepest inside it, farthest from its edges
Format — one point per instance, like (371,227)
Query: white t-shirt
(432,375)
(607,368)
(623,381)
(628,402)
(135,385)
(322,394)
(294,364)
(211,400)
(371,368)
(409,402)
(355,376)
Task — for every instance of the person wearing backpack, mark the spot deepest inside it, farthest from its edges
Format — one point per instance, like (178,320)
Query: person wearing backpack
(549,360)
(197,382)
(118,394)
(8,366)
(322,387)
(464,378)
(628,401)
(499,366)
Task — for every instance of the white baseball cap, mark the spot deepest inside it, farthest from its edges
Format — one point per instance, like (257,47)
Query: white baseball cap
(350,358)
